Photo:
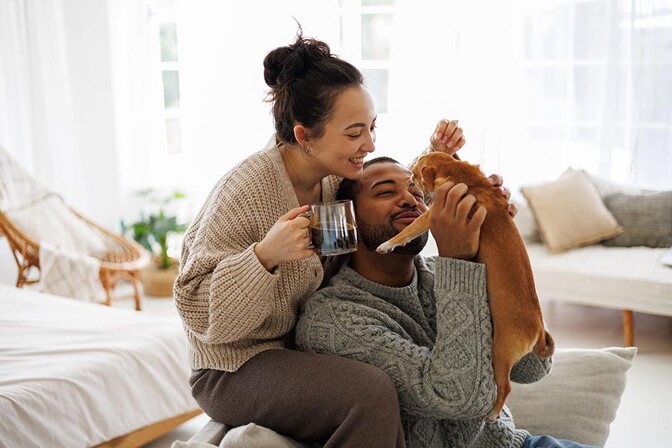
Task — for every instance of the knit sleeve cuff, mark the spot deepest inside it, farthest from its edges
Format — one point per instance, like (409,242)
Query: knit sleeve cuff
(459,276)
(249,274)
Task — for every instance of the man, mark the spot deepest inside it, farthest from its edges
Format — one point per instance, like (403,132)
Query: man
(424,321)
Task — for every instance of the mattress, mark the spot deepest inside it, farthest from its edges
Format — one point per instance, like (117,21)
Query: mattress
(613,277)
(78,374)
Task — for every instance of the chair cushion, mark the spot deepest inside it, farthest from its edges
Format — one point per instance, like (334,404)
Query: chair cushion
(578,399)
(50,220)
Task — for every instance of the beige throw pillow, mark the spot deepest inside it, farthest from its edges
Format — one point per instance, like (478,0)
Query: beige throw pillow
(570,212)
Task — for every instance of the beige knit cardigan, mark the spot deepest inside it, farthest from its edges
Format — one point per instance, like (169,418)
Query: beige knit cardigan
(232,308)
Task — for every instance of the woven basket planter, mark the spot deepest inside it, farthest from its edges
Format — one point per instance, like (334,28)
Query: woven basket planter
(158,282)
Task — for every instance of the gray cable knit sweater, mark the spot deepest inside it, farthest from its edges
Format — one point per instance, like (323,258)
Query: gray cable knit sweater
(433,338)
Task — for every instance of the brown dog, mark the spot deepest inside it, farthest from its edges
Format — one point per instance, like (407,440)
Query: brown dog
(514,306)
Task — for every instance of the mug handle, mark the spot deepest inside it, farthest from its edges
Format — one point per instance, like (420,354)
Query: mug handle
(308,214)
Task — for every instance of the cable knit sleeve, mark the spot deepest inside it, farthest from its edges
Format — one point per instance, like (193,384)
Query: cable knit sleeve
(222,291)
(452,380)
(530,369)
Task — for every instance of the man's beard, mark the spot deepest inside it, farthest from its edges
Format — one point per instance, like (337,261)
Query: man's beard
(373,235)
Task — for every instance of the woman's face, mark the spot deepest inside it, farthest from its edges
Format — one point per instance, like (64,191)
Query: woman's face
(349,135)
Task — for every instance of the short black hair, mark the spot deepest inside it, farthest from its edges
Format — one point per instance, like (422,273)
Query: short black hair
(349,187)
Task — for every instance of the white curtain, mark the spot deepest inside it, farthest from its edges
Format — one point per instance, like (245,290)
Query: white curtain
(540,86)
(56,108)
(36,111)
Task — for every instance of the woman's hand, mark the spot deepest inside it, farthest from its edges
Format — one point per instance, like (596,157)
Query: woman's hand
(497,181)
(287,240)
(455,229)
(447,137)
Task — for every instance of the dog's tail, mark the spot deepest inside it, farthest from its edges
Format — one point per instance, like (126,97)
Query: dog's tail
(545,345)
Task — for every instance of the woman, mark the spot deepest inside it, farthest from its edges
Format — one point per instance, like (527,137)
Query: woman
(246,265)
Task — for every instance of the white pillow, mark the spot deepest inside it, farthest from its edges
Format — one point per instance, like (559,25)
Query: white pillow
(578,399)
(50,220)
(255,436)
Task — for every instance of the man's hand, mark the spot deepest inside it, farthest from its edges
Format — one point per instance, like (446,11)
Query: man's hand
(456,233)
(447,137)
(497,181)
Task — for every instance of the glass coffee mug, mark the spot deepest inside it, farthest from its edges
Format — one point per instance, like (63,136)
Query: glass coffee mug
(333,230)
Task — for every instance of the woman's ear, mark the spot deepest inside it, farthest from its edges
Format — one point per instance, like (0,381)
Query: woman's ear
(301,135)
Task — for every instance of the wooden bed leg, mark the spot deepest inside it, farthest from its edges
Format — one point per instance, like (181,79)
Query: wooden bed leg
(628,328)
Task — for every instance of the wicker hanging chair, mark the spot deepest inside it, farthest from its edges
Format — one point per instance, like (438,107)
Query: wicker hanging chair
(123,259)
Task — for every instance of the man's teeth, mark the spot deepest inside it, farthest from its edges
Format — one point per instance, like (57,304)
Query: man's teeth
(356,159)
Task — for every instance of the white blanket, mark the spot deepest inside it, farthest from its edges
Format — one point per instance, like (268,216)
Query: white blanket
(68,274)
(17,187)
(77,374)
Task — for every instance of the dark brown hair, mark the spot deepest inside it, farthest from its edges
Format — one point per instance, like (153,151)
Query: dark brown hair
(305,78)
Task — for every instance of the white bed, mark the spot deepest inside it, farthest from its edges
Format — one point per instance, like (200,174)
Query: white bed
(77,374)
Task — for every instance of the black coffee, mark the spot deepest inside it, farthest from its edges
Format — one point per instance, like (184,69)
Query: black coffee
(331,239)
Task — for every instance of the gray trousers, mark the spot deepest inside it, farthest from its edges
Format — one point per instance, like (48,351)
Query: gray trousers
(309,397)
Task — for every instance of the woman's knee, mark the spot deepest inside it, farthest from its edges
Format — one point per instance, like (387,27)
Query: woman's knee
(373,387)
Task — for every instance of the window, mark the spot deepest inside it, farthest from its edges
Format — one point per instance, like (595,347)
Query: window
(599,77)
(170,74)
(366,31)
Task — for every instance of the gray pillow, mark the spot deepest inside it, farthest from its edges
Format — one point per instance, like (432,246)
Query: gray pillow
(578,399)
(646,219)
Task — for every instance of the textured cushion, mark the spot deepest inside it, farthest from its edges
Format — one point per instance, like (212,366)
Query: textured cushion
(526,223)
(50,220)
(646,219)
(252,435)
(570,212)
(578,399)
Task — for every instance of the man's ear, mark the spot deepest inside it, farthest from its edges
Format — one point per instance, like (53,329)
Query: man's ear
(428,176)
(301,134)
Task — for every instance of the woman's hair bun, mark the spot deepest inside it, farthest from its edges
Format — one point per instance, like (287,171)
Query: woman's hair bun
(286,63)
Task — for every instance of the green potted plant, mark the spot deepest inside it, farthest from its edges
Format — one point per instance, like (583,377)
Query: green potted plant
(152,231)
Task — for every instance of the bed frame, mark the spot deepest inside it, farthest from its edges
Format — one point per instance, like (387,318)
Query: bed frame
(149,433)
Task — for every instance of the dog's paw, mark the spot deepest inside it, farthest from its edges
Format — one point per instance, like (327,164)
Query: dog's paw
(385,248)
(491,417)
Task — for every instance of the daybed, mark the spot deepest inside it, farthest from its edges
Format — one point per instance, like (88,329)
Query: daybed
(622,278)
(602,244)
(75,374)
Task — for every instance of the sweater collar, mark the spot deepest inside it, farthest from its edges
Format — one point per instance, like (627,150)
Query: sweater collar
(392,294)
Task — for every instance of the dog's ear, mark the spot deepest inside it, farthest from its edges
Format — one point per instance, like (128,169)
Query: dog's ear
(428,176)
